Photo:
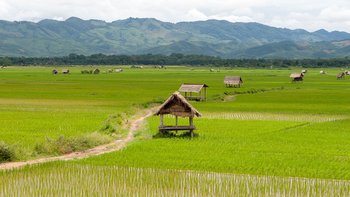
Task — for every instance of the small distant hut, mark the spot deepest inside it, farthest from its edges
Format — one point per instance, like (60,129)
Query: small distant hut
(341,75)
(65,71)
(196,92)
(233,81)
(347,72)
(177,105)
(118,70)
(55,72)
(322,72)
(96,71)
(304,71)
(297,77)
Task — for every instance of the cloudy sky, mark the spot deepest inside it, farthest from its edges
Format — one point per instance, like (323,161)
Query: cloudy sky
(307,14)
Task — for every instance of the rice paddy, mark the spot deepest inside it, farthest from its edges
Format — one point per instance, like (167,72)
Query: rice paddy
(85,180)
(251,140)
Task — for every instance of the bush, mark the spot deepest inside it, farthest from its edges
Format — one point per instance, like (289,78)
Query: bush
(7,153)
(63,145)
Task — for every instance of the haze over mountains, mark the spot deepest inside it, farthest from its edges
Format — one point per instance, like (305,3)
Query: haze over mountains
(148,35)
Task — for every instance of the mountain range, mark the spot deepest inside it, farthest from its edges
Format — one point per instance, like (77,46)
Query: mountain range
(49,38)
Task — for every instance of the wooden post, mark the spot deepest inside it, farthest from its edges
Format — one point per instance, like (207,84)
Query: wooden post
(191,125)
(176,120)
(205,93)
(161,120)
(200,96)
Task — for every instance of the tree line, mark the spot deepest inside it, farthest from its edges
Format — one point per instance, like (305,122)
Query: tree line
(173,59)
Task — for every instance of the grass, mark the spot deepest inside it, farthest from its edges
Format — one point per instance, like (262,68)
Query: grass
(270,127)
(84,180)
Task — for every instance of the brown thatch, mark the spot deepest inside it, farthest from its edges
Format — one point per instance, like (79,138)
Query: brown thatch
(233,80)
(296,75)
(65,71)
(341,75)
(96,71)
(192,87)
(177,105)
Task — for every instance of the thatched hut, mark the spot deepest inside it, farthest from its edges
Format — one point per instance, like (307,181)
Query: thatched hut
(297,77)
(233,81)
(341,75)
(177,105)
(304,71)
(96,71)
(196,92)
(322,72)
(54,71)
(65,71)
(347,72)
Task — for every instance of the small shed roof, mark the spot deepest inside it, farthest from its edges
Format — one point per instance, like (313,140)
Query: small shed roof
(233,80)
(192,87)
(296,75)
(177,105)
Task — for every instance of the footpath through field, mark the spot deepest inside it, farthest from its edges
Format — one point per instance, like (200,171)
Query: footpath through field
(116,145)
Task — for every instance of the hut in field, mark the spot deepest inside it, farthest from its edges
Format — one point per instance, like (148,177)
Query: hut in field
(297,77)
(233,81)
(322,72)
(84,72)
(118,70)
(341,75)
(54,71)
(347,72)
(96,71)
(196,92)
(65,71)
(304,71)
(177,105)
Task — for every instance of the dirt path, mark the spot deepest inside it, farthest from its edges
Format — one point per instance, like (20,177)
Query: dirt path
(134,125)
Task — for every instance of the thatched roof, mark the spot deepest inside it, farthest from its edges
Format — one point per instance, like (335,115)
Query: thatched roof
(177,105)
(233,80)
(342,74)
(296,75)
(191,87)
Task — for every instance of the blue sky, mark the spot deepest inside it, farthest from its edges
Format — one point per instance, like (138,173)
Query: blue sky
(310,15)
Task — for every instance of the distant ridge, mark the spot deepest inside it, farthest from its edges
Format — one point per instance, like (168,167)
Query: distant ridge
(148,35)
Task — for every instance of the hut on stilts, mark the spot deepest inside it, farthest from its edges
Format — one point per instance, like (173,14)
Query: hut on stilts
(177,105)
(233,81)
(197,92)
(297,77)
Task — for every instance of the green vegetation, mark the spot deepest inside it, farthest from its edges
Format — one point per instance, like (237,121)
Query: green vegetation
(268,130)
(173,59)
(60,179)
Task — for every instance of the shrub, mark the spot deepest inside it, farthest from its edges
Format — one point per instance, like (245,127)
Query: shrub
(7,153)
(63,145)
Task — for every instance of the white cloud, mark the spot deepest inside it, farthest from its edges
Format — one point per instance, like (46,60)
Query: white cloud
(310,15)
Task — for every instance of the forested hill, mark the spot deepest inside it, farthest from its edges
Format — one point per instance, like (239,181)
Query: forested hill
(49,38)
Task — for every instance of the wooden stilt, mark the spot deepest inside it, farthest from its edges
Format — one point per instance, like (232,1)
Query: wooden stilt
(161,120)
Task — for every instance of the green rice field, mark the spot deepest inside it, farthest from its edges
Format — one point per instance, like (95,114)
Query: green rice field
(269,137)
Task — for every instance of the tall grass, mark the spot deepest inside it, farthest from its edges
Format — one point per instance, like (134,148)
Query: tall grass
(77,180)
